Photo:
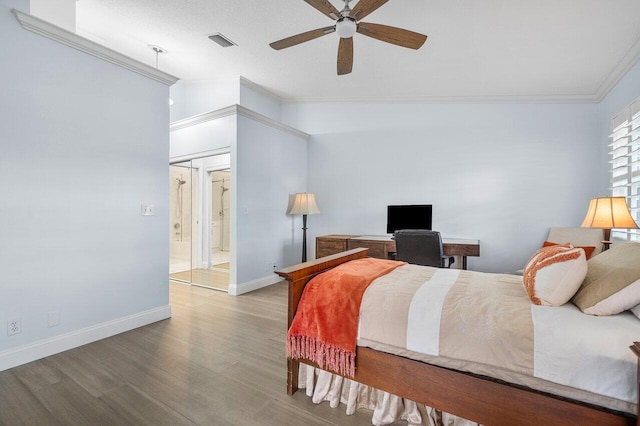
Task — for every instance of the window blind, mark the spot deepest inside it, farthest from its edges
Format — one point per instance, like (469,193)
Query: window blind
(624,152)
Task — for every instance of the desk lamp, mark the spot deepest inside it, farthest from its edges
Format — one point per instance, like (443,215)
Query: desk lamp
(304,204)
(606,213)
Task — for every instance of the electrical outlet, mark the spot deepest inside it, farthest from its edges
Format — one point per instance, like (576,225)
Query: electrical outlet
(13,326)
(147,210)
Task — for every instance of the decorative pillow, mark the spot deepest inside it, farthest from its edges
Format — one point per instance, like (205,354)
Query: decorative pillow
(612,284)
(553,274)
(588,250)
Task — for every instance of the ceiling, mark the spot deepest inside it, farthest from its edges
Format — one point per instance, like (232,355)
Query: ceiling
(545,50)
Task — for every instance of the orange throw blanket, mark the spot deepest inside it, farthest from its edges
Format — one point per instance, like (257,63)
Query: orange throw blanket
(325,328)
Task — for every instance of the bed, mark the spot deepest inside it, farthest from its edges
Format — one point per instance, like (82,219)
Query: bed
(474,396)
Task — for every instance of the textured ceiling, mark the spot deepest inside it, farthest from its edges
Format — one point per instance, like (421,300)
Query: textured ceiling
(502,49)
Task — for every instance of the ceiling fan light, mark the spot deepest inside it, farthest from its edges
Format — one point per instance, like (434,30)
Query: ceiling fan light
(346,27)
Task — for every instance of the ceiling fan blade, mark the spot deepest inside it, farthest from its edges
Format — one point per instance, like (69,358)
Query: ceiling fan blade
(325,7)
(345,56)
(301,38)
(365,7)
(393,35)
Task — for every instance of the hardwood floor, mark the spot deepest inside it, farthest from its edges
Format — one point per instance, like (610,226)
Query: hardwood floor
(222,266)
(217,278)
(219,361)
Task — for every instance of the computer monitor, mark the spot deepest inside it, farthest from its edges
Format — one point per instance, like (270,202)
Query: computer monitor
(417,216)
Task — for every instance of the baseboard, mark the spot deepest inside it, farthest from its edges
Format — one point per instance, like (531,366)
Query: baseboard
(238,289)
(23,354)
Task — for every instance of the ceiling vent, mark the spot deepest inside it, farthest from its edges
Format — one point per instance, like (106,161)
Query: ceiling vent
(221,40)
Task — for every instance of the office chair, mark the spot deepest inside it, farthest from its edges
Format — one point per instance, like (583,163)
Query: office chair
(421,247)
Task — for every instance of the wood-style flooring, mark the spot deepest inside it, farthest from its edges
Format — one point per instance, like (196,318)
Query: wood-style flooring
(222,265)
(217,278)
(218,361)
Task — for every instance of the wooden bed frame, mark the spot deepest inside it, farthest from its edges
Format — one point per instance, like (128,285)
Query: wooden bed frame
(478,398)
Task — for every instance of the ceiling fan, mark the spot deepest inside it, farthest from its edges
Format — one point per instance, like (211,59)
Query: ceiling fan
(347,24)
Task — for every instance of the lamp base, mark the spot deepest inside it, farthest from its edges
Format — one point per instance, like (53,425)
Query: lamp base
(606,243)
(304,238)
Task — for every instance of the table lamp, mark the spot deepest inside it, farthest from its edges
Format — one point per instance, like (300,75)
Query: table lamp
(606,213)
(304,204)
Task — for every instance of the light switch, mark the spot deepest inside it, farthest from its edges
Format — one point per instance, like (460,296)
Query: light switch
(147,210)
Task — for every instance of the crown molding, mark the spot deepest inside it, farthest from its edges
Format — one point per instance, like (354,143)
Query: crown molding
(552,98)
(246,112)
(235,110)
(202,118)
(623,66)
(258,88)
(53,32)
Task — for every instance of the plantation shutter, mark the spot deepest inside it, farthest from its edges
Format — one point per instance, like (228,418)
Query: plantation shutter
(625,164)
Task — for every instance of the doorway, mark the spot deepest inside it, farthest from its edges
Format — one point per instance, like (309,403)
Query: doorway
(200,221)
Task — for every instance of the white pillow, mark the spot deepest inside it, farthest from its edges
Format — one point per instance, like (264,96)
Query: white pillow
(636,310)
(554,274)
(627,298)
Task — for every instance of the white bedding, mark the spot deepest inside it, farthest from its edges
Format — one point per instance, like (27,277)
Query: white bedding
(563,351)
(586,352)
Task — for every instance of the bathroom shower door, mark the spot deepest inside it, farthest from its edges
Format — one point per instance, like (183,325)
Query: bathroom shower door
(180,221)
(199,221)
(220,215)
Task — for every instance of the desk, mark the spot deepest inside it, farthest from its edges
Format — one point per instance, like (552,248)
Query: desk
(383,247)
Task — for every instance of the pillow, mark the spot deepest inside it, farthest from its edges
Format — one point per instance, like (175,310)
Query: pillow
(588,250)
(612,284)
(553,274)
(636,311)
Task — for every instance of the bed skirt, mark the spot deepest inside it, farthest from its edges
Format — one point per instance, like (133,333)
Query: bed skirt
(387,408)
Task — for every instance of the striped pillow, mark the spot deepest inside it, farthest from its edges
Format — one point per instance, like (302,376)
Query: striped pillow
(554,274)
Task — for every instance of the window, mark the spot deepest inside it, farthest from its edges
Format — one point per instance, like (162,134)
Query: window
(625,164)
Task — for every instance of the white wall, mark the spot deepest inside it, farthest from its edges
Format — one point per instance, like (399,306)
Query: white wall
(259,100)
(500,173)
(272,166)
(197,97)
(83,144)
(205,137)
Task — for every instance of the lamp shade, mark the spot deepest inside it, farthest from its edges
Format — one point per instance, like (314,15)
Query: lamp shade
(304,203)
(607,213)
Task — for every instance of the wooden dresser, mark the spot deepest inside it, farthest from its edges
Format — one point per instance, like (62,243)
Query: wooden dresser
(331,244)
(383,247)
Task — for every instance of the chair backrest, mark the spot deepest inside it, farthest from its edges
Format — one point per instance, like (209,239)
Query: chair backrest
(419,247)
(578,237)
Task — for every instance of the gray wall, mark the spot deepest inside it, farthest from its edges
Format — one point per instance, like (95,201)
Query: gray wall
(271,167)
(83,144)
(500,173)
